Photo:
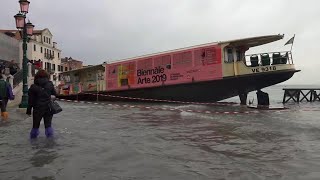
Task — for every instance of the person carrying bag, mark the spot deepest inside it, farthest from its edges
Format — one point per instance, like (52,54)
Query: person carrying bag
(41,100)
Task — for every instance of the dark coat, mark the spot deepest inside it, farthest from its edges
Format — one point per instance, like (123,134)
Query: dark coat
(40,95)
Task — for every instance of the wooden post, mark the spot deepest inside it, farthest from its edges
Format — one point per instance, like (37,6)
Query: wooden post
(305,96)
(298,95)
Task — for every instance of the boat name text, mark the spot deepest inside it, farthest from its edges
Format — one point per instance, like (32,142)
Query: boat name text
(264,69)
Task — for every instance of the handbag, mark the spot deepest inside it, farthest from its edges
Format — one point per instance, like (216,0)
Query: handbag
(54,107)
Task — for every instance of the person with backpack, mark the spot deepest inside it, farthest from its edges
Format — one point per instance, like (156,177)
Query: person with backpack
(40,96)
(6,94)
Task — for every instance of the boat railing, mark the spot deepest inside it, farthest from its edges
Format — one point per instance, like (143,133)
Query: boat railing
(267,59)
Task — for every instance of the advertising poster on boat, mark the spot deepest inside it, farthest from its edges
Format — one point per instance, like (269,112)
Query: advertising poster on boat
(198,64)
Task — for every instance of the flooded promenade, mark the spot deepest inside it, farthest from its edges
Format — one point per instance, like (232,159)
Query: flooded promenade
(109,142)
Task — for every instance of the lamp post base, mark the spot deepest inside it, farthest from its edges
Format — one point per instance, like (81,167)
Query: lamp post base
(24,102)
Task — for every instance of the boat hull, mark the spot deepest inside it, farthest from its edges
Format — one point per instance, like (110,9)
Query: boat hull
(208,91)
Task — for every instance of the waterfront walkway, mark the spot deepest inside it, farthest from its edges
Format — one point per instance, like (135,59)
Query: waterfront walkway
(108,142)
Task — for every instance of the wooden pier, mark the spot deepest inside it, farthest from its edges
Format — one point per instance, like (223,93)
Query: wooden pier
(300,94)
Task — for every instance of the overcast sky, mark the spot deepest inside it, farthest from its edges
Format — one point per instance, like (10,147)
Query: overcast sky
(102,30)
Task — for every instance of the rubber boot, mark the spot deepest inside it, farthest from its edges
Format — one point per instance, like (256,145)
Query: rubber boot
(49,132)
(5,115)
(34,133)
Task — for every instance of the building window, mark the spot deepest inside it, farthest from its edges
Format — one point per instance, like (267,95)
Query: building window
(34,47)
(58,55)
(66,69)
(54,67)
(49,41)
(41,50)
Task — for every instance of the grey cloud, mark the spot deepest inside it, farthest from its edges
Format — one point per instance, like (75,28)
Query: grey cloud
(99,30)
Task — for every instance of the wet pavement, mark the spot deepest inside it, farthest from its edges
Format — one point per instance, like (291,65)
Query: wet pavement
(108,142)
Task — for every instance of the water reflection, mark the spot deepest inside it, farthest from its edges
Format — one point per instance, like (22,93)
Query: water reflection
(43,178)
(45,153)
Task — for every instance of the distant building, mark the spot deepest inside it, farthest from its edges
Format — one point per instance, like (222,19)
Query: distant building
(68,64)
(42,50)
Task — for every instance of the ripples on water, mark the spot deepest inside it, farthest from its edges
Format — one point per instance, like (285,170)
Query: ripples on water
(103,142)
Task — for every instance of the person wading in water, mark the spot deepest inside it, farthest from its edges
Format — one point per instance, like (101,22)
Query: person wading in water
(6,94)
(40,95)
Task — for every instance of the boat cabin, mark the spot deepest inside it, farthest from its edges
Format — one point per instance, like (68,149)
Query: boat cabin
(87,79)
(207,72)
(236,62)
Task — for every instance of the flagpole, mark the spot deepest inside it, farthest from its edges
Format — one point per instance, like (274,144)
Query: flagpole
(292,42)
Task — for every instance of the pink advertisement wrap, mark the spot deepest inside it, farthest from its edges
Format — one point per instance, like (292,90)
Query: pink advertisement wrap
(179,67)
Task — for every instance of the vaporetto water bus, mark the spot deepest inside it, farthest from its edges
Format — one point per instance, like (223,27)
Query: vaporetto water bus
(203,73)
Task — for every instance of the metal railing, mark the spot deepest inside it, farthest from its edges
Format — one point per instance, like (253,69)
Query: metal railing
(17,78)
(267,59)
(48,56)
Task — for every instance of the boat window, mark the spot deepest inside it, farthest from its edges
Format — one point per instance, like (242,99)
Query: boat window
(90,77)
(163,61)
(76,78)
(124,82)
(239,55)
(67,79)
(229,55)
(206,56)
(145,64)
(113,71)
(182,60)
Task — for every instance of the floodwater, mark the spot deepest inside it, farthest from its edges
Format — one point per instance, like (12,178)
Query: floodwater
(110,142)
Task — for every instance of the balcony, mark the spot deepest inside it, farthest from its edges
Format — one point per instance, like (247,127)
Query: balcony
(48,56)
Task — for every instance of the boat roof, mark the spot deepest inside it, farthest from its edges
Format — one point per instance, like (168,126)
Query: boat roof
(248,42)
(84,68)
(253,41)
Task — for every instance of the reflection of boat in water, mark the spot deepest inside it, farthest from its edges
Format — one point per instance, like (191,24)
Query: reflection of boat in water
(203,73)
(267,107)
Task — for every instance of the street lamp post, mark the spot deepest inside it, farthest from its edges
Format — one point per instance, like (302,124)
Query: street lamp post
(27,30)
